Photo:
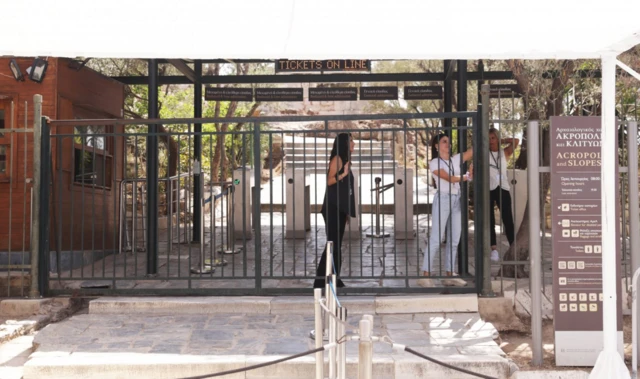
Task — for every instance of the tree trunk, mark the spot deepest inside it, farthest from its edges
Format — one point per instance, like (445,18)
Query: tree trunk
(224,164)
(519,251)
(220,161)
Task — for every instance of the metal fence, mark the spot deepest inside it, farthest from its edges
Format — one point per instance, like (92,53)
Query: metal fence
(237,205)
(15,200)
(504,118)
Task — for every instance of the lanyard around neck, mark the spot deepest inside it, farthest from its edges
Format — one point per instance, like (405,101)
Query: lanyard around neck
(448,165)
(495,160)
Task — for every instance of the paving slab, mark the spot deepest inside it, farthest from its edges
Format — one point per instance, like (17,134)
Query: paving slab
(185,305)
(21,307)
(427,303)
(301,305)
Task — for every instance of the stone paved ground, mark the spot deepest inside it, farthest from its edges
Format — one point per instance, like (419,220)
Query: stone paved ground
(368,262)
(13,355)
(258,334)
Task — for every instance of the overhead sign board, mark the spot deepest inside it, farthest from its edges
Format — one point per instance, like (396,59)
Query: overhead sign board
(378,93)
(334,94)
(279,94)
(301,65)
(423,93)
(228,94)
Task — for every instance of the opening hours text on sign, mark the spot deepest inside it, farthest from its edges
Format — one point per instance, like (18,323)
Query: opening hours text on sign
(576,219)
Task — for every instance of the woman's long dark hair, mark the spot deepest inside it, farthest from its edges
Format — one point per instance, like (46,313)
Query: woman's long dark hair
(434,152)
(434,143)
(342,148)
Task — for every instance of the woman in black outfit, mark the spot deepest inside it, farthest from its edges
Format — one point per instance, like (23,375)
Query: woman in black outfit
(339,203)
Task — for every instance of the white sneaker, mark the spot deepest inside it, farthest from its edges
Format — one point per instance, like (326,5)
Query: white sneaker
(495,256)
(454,281)
(427,283)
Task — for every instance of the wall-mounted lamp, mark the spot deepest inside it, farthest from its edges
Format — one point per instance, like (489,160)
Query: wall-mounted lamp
(37,70)
(15,70)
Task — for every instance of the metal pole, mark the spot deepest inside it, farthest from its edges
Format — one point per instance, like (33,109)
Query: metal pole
(448,95)
(632,174)
(342,348)
(152,173)
(332,332)
(610,363)
(317,296)
(199,203)
(634,217)
(481,196)
(257,172)
(378,208)
(170,216)
(197,149)
(331,305)
(463,251)
(365,350)
(634,324)
(34,292)
(535,251)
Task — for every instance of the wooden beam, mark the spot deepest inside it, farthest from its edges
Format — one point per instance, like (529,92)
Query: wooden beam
(182,66)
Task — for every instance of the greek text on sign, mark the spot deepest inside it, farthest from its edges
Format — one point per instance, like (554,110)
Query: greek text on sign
(279,94)
(333,94)
(228,94)
(423,93)
(576,216)
(378,93)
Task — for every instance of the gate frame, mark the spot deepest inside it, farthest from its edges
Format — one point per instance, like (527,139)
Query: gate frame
(481,185)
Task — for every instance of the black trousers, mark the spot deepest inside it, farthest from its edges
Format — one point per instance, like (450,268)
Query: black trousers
(502,199)
(335,222)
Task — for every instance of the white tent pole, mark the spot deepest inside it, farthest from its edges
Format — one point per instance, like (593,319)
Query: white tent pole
(628,69)
(609,364)
(609,220)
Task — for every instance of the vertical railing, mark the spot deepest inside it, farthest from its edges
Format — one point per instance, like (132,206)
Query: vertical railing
(43,205)
(35,205)
(481,186)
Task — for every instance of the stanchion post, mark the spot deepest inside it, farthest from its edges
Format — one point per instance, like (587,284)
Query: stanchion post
(342,348)
(333,333)
(199,202)
(317,295)
(379,189)
(365,349)
(378,180)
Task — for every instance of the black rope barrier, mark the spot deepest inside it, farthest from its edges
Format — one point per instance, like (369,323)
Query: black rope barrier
(260,365)
(410,350)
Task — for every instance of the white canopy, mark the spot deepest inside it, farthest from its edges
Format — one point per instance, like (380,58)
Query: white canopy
(363,29)
(327,29)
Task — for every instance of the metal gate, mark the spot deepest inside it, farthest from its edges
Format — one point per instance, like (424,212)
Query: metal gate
(16,195)
(235,208)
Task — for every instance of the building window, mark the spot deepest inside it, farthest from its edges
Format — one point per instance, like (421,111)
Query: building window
(92,168)
(4,153)
(1,122)
(91,136)
(92,161)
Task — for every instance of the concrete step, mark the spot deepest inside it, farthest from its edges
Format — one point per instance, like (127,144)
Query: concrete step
(359,150)
(360,144)
(178,337)
(159,366)
(283,304)
(375,164)
(323,158)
